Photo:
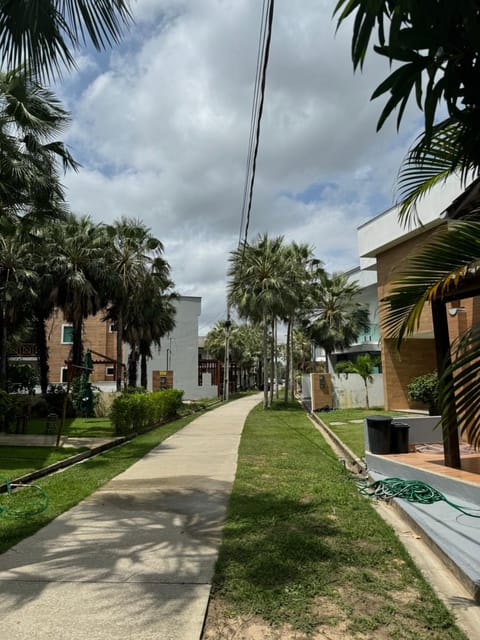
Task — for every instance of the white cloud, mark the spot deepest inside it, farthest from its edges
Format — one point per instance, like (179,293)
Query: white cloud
(161,127)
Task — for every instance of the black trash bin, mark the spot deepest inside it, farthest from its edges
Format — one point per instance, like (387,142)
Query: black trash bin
(399,437)
(379,433)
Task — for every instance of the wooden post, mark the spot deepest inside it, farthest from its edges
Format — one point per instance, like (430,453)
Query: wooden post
(451,442)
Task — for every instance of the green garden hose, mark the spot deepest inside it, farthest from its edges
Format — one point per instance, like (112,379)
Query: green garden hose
(29,502)
(413,491)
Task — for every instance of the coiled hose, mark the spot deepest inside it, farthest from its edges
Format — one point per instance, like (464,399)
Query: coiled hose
(413,491)
(29,502)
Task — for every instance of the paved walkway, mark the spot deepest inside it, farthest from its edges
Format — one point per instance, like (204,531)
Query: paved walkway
(135,560)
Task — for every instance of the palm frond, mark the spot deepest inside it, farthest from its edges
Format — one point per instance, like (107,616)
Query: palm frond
(448,260)
(430,162)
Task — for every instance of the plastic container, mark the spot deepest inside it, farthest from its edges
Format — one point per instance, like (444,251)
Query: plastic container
(379,433)
(399,437)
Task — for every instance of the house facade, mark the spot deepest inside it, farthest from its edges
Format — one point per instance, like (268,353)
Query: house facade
(98,336)
(175,364)
(384,245)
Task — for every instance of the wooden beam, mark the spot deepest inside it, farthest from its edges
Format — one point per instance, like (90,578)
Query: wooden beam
(451,442)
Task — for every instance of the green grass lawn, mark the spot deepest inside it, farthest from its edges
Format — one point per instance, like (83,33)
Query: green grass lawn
(66,489)
(304,551)
(17,461)
(76,427)
(351,433)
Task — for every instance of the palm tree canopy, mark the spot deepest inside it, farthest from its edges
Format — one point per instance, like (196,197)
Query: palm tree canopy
(337,318)
(30,119)
(47,32)
(436,46)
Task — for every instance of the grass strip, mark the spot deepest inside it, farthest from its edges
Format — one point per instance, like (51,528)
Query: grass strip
(302,550)
(18,461)
(69,487)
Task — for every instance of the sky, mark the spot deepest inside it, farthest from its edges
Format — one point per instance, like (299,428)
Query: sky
(161,126)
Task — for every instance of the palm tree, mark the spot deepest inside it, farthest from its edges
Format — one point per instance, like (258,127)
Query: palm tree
(17,287)
(133,252)
(47,33)
(364,366)
(338,318)
(257,287)
(149,316)
(303,275)
(82,277)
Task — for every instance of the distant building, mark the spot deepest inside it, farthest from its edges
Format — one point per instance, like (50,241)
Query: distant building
(175,364)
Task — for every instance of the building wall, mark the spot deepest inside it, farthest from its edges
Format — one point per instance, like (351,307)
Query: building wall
(178,352)
(97,337)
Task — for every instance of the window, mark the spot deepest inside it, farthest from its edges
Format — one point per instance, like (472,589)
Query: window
(64,374)
(109,371)
(112,327)
(67,334)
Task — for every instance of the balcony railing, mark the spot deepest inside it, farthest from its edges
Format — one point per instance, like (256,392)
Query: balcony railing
(371,335)
(25,350)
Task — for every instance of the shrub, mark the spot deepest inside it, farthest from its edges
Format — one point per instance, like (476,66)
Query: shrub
(425,389)
(135,412)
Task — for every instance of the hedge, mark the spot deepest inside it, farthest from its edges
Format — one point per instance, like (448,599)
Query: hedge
(135,412)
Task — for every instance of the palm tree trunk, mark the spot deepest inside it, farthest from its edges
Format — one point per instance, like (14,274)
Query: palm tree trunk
(287,360)
(42,348)
(365,382)
(275,349)
(3,351)
(143,371)
(77,347)
(133,367)
(265,363)
(119,366)
(272,364)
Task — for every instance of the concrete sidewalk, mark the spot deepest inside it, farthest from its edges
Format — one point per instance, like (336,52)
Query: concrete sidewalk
(136,559)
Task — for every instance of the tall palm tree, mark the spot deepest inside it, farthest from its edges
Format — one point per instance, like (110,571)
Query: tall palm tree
(258,286)
(82,277)
(303,274)
(134,251)
(338,318)
(48,32)
(149,316)
(17,286)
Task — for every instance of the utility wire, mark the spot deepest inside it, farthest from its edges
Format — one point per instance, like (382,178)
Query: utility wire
(253,144)
(248,164)
(257,111)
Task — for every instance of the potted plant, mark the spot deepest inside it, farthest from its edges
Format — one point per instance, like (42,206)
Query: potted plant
(425,389)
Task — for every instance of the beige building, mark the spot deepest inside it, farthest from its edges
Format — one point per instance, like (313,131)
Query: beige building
(384,245)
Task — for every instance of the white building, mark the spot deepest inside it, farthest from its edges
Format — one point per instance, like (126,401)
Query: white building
(175,363)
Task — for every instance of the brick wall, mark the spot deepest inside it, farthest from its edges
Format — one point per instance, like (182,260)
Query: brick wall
(97,337)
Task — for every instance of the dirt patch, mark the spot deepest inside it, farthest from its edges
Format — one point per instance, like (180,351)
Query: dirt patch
(223,624)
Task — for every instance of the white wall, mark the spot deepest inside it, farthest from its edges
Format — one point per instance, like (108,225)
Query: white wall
(349,391)
(178,352)
(385,230)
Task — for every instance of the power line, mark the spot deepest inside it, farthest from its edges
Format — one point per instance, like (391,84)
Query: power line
(263,55)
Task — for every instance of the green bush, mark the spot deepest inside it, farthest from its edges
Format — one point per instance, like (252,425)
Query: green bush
(135,412)
(425,389)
